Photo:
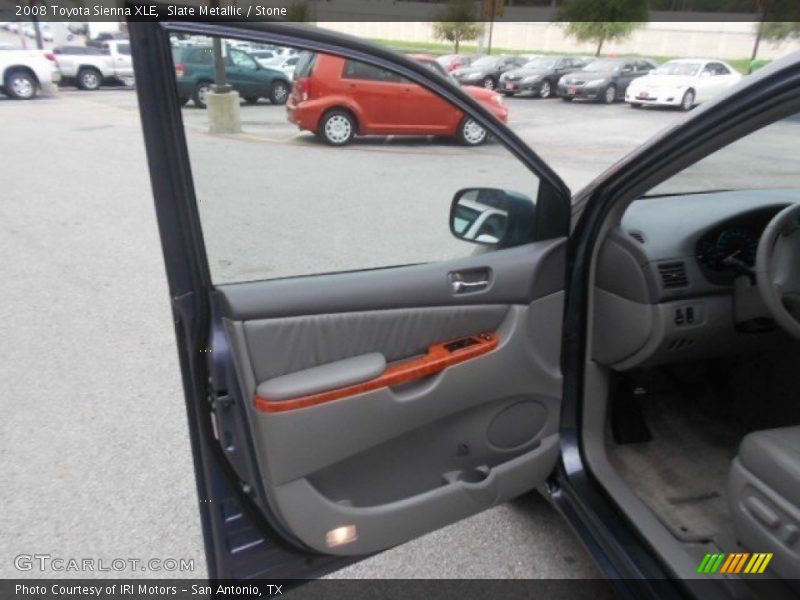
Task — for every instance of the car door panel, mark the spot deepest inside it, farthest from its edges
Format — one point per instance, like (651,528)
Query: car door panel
(391,460)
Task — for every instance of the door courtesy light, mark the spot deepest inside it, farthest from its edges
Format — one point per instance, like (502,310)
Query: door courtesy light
(341,535)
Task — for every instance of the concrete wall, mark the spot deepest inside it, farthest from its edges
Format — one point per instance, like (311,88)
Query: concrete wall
(658,38)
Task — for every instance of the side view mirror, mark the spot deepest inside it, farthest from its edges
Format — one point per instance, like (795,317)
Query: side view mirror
(493,217)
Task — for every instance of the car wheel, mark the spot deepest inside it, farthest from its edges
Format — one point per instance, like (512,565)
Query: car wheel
(470,133)
(251,99)
(545,90)
(279,92)
(687,102)
(20,85)
(609,94)
(635,105)
(89,79)
(337,128)
(567,98)
(488,83)
(201,92)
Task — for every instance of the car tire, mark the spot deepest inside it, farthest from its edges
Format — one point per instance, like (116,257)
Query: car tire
(279,92)
(89,79)
(337,127)
(201,90)
(471,133)
(545,90)
(21,85)
(609,94)
(488,83)
(687,102)
(635,105)
(251,99)
(567,98)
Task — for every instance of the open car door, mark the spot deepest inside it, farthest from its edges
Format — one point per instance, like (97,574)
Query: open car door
(355,375)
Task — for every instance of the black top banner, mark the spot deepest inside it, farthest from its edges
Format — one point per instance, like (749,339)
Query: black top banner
(404,10)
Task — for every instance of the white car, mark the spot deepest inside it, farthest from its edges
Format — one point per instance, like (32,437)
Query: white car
(682,82)
(24,73)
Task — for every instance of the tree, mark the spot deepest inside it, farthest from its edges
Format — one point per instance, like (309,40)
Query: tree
(456,23)
(299,12)
(775,23)
(600,21)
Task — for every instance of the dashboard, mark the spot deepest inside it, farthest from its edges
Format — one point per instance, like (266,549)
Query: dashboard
(729,249)
(674,279)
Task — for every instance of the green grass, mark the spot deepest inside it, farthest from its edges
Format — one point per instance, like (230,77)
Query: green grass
(443,48)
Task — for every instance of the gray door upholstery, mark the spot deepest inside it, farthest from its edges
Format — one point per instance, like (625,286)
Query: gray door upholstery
(391,463)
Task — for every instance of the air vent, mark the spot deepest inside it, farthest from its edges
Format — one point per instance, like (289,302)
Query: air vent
(673,275)
(638,236)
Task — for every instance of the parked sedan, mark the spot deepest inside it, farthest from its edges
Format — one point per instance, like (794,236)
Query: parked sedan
(539,76)
(194,69)
(486,71)
(451,62)
(603,80)
(683,82)
(338,99)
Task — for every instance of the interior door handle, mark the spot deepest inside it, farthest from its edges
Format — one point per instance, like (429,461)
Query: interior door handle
(475,281)
(468,286)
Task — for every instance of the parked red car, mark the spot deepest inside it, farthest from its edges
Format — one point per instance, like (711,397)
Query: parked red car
(338,99)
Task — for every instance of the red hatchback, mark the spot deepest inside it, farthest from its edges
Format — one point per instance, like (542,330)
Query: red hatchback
(338,99)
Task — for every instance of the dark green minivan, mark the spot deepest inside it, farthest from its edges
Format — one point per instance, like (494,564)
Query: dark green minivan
(194,69)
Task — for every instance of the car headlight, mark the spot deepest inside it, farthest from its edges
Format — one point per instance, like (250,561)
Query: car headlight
(595,82)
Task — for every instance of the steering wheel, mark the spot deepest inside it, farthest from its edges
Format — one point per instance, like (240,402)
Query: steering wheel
(778,268)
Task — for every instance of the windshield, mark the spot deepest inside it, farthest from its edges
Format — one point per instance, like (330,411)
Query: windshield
(765,159)
(678,68)
(486,61)
(541,63)
(603,65)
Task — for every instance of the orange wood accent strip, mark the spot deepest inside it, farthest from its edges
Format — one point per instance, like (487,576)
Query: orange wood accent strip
(437,359)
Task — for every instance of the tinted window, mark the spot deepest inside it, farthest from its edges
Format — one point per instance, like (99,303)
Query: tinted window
(305,64)
(242,60)
(200,56)
(358,70)
(718,69)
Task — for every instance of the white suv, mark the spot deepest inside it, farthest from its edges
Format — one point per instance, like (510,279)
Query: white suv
(24,73)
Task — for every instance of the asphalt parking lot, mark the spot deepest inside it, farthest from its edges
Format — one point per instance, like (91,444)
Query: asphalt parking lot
(94,453)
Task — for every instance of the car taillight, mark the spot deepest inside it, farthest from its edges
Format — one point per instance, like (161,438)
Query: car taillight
(302,88)
(50,56)
(179,71)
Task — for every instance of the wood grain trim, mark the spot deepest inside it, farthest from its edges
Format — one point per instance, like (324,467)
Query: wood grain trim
(437,359)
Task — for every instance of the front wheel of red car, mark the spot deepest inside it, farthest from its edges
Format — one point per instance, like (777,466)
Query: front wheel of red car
(470,133)
(337,128)
(488,83)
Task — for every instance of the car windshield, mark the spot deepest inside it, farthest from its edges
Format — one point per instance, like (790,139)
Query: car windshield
(540,63)
(486,61)
(678,68)
(604,65)
(765,159)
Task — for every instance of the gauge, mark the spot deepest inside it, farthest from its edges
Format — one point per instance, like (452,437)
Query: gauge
(709,255)
(738,243)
